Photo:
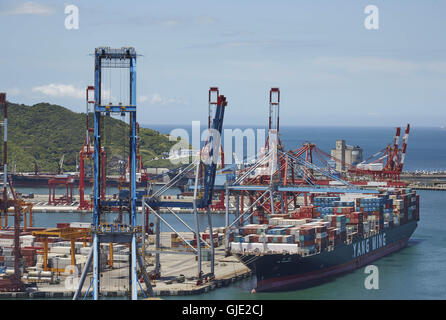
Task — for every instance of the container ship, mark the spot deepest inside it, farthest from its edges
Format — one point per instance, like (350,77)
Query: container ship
(336,234)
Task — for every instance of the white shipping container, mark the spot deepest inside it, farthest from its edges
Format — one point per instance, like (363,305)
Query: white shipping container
(83,225)
(294,231)
(28,237)
(246,247)
(377,183)
(280,247)
(6,242)
(85,251)
(61,250)
(120,258)
(260,247)
(275,221)
(294,222)
(79,245)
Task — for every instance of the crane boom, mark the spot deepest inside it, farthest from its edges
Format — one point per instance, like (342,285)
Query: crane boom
(214,143)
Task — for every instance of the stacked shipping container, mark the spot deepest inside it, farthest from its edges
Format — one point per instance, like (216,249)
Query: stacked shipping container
(331,221)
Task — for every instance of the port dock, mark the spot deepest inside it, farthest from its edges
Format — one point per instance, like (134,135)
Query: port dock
(227,270)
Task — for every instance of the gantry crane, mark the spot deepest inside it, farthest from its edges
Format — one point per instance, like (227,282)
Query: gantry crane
(71,234)
(383,167)
(212,103)
(391,159)
(206,168)
(110,58)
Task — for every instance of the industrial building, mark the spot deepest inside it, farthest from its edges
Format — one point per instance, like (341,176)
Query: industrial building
(350,155)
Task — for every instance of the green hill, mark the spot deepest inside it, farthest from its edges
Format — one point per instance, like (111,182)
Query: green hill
(43,132)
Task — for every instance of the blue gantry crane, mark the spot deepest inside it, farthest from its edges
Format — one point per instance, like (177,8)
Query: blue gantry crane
(109,58)
(203,195)
(214,142)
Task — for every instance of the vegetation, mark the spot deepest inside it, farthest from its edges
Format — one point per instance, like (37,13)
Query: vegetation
(42,133)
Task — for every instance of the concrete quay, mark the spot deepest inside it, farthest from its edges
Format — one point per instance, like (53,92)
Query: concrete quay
(114,282)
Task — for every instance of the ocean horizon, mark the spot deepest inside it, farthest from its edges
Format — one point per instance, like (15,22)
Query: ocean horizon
(426,148)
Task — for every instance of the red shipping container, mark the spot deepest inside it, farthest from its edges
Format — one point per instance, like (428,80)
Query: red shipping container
(301,215)
(206,236)
(307,243)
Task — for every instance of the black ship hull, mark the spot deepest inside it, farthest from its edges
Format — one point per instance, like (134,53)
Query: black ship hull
(20,180)
(276,272)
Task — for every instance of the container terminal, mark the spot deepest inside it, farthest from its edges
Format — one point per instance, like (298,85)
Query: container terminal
(318,214)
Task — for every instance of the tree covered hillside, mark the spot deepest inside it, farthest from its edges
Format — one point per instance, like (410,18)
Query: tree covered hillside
(42,133)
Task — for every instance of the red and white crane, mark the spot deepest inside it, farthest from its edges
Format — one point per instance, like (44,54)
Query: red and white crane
(86,153)
(380,169)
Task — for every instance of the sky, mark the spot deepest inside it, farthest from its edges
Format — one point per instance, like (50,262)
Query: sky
(331,70)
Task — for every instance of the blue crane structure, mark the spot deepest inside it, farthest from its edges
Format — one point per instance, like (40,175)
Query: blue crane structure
(106,57)
(214,142)
(112,58)
(203,196)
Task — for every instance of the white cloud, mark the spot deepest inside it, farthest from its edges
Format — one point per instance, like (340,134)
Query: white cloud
(29,7)
(157,99)
(60,90)
(171,23)
(204,20)
(143,98)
